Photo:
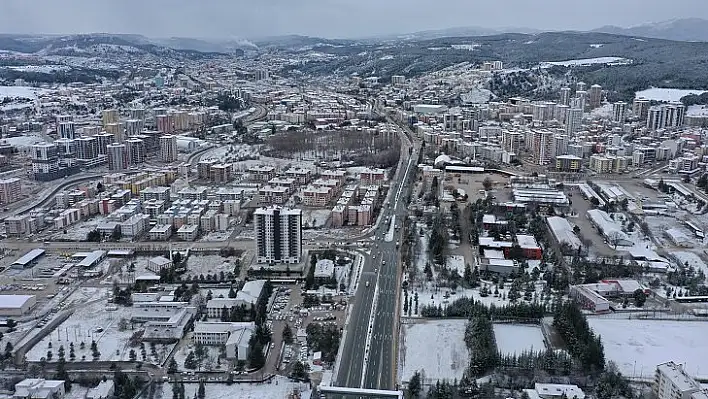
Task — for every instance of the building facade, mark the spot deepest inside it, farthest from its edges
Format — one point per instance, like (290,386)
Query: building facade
(278,235)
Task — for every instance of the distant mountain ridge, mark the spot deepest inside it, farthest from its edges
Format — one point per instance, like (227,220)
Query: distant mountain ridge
(683,30)
(107,45)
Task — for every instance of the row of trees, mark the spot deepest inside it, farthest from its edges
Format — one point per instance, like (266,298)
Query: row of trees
(260,339)
(580,340)
(467,307)
(482,345)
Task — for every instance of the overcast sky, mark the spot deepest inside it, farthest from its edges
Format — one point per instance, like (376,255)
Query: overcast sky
(327,18)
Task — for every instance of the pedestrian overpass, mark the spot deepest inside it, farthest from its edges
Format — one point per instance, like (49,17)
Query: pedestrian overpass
(331,392)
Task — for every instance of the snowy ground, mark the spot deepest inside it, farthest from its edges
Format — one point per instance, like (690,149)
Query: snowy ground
(93,321)
(429,294)
(589,61)
(517,338)
(391,230)
(315,217)
(692,259)
(24,141)
(277,388)
(78,231)
(211,361)
(217,236)
(637,346)
(668,95)
(456,262)
(208,264)
(436,348)
(20,91)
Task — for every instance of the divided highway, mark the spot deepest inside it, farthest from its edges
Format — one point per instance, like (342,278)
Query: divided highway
(378,292)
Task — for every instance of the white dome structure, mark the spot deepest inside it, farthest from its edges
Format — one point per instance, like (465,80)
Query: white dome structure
(442,159)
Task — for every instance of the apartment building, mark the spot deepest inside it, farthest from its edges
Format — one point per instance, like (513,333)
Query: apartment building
(672,382)
(10,190)
(262,173)
(370,176)
(278,234)
(541,146)
(272,195)
(316,196)
(303,176)
(168,148)
(568,163)
(117,157)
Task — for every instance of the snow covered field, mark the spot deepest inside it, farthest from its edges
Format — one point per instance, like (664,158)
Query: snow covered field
(588,61)
(692,259)
(277,388)
(436,348)
(660,94)
(517,338)
(456,262)
(637,346)
(208,264)
(315,217)
(429,295)
(93,322)
(20,91)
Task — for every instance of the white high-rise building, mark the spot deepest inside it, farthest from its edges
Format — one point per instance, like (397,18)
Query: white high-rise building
(45,158)
(581,100)
(640,108)
(666,116)
(10,190)
(573,121)
(398,79)
(565,96)
(595,96)
(168,148)
(117,157)
(542,146)
(511,141)
(86,148)
(619,110)
(136,151)
(560,145)
(66,130)
(278,234)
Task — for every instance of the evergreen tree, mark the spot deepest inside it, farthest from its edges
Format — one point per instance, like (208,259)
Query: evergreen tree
(287,334)
(201,390)
(414,385)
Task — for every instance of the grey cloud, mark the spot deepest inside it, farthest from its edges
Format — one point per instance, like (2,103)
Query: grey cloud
(329,18)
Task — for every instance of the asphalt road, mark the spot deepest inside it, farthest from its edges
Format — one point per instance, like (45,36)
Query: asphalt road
(376,370)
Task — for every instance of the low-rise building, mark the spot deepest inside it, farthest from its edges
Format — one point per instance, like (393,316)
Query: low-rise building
(16,305)
(589,298)
(324,270)
(555,391)
(160,232)
(158,263)
(38,388)
(316,196)
(529,246)
(188,232)
(234,336)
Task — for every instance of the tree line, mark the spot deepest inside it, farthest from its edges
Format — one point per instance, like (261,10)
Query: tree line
(581,342)
(466,307)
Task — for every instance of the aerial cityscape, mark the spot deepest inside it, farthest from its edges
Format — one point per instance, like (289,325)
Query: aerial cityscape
(448,213)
